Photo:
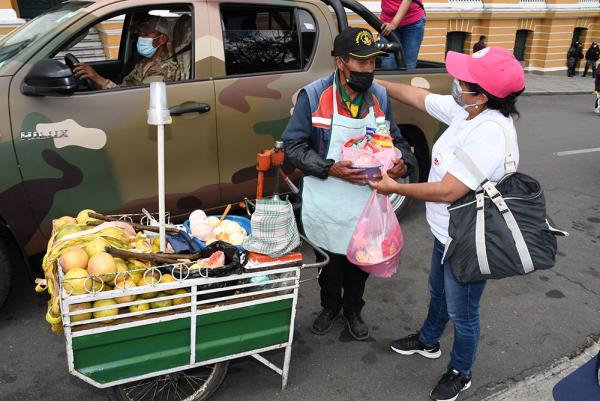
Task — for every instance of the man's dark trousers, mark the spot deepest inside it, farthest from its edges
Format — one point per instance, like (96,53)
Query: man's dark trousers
(342,285)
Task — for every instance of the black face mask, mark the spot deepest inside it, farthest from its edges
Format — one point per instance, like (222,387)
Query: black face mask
(360,81)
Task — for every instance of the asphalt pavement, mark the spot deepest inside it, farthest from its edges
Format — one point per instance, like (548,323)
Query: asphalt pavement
(531,326)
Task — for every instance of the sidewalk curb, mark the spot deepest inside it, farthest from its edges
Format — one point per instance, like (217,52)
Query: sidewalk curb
(557,93)
(531,387)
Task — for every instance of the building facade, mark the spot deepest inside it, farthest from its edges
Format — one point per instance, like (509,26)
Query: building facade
(539,32)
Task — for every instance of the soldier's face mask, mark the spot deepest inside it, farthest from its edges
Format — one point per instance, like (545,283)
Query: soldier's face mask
(145,47)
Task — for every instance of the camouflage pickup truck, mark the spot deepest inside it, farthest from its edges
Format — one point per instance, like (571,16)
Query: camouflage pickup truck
(66,146)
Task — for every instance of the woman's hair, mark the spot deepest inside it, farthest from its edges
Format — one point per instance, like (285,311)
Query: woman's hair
(506,106)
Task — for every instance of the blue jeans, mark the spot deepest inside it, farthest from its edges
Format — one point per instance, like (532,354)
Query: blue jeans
(456,301)
(411,37)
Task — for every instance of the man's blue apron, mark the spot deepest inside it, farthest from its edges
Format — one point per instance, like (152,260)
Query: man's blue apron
(331,207)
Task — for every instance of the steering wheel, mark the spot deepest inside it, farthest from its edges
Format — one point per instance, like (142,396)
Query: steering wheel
(70,61)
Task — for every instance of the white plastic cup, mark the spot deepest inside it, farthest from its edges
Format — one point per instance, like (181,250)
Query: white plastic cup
(158,111)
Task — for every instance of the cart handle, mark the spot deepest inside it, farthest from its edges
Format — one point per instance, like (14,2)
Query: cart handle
(318,250)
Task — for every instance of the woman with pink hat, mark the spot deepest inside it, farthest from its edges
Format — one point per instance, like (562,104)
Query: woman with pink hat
(482,105)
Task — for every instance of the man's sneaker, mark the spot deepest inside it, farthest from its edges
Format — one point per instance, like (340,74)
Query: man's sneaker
(356,326)
(597,111)
(324,322)
(450,385)
(412,345)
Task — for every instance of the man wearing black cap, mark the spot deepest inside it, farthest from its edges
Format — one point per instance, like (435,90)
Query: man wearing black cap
(329,112)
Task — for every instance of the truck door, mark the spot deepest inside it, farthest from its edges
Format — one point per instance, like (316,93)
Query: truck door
(94,149)
(270,51)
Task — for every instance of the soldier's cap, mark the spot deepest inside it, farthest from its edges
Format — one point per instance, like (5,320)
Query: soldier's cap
(355,42)
(153,23)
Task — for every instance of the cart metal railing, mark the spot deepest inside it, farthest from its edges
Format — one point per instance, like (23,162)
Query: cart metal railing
(204,320)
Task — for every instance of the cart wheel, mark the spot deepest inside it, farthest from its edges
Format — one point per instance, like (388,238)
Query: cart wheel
(196,384)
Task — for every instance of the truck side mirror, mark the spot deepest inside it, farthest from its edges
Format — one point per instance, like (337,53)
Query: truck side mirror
(49,77)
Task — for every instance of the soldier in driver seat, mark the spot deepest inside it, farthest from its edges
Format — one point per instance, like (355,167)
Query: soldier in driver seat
(155,64)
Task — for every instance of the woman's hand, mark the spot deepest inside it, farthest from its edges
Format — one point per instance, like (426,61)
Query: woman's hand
(385,186)
(389,27)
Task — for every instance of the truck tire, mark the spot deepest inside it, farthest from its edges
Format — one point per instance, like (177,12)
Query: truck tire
(5,272)
(400,202)
(197,384)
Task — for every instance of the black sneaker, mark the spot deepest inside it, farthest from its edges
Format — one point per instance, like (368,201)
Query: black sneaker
(356,326)
(324,322)
(412,345)
(450,385)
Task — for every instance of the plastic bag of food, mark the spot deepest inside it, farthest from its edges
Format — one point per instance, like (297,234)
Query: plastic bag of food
(377,240)
(369,156)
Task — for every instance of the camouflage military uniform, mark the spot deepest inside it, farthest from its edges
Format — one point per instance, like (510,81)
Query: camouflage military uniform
(149,70)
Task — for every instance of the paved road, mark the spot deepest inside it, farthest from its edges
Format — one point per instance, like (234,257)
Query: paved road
(527,323)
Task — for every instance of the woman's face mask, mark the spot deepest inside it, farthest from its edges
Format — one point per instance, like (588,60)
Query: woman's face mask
(145,47)
(457,93)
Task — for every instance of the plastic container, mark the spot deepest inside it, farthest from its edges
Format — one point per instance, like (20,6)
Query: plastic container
(372,172)
(242,221)
(158,111)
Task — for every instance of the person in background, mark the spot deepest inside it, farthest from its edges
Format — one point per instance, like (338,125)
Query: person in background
(574,54)
(481,44)
(482,105)
(407,19)
(591,58)
(329,112)
(597,93)
(156,63)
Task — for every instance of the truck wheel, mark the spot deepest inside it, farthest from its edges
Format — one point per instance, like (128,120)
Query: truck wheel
(197,384)
(5,272)
(400,202)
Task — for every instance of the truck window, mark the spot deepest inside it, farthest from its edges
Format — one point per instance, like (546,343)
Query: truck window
(39,28)
(99,43)
(109,48)
(260,39)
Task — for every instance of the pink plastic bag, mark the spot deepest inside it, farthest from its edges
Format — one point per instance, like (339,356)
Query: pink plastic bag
(364,158)
(377,240)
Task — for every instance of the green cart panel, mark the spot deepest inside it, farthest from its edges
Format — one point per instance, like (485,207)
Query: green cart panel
(241,330)
(131,352)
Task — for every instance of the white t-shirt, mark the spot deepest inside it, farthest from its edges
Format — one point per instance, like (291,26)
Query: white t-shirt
(482,141)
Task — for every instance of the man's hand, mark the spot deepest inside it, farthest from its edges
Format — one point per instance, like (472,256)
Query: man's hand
(399,169)
(343,170)
(84,71)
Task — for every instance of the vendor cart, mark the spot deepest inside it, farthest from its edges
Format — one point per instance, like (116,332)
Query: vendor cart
(181,351)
